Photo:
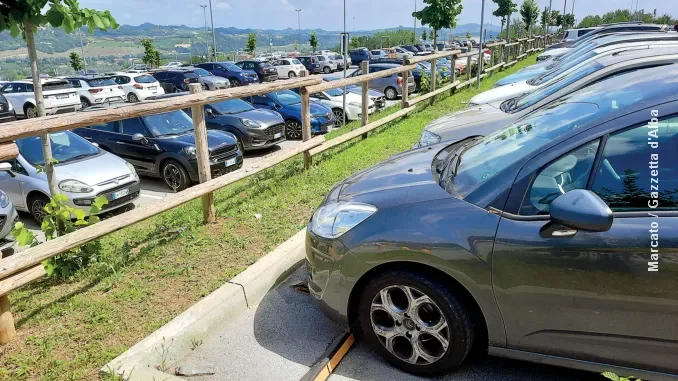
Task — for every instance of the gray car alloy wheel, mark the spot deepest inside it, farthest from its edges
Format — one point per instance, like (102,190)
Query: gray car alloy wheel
(172,176)
(291,74)
(293,129)
(327,70)
(339,116)
(31,112)
(409,324)
(38,208)
(234,83)
(391,93)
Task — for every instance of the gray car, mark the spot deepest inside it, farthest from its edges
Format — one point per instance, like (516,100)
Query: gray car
(539,242)
(391,86)
(83,172)
(8,216)
(208,80)
(487,118)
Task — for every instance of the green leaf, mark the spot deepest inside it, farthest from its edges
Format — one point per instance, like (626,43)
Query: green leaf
(100,201)
(49,267)
(81,223)
(610,375)
(93,219)
(25,237)
(60,198)
(54,17)
(14,30)
(97,21)
(68,25)
(79,214)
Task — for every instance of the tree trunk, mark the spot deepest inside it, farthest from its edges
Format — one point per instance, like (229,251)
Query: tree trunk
(40,105)
(435,39)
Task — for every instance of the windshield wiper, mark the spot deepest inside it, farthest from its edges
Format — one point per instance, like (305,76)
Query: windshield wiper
(178,133)
(77,157)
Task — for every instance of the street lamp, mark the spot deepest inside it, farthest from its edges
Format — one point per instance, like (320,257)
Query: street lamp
(299,25)
(207,36)
(481,53)
(415,23)
(214,36)
(82,50)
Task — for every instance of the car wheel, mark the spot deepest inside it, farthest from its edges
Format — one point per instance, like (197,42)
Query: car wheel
(132,98)
(238,142)
(339,116)
(327,70)
(391,93)
(84,102)
(37,205)
(415,323)
(291,74)
(204,86)
(31,111)
(293,130)
(175,176)
(178,90)
(234,83)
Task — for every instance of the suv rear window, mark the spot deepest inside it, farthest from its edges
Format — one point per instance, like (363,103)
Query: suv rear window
(190,75)
(144,79)
(101,82)
(55,85)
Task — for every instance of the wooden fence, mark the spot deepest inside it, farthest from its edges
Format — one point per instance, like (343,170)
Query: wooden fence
(26,266)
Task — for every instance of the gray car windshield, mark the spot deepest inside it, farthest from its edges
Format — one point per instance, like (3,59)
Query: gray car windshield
(232,106)
(66,146)
(560,69)
(169,123)
(335,92)
(202,72)
(287,97)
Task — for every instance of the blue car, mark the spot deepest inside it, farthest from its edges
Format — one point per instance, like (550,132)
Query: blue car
(359,55)
(288,104)
(235,75)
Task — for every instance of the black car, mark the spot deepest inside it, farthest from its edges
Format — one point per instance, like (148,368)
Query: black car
(265,71)
(163,145)
(7,113)
(177,80)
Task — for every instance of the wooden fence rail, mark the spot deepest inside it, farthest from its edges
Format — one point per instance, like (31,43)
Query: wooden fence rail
(24,267)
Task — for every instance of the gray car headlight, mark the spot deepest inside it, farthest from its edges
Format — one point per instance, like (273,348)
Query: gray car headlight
(427,138)
(333,220)
(190,151)
(75,186)
(4,200)
(131,168)
(250,123)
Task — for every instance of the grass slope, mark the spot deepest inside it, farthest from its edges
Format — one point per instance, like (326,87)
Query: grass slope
(156,269)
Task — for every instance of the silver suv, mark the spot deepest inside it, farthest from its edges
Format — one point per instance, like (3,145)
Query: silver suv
(391,86)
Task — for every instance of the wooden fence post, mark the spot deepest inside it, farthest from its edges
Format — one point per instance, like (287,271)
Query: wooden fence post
(453,59)
(365,67)
(306,121)
(434,77)
(468,67)
(7,330)
(202,154)
(404,86)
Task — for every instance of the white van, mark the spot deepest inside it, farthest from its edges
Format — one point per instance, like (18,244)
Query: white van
(573,34)
(58,94)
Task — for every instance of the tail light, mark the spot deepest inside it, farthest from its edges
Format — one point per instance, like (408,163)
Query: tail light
(186,80)
(137,86)
(400,81)
(94,91)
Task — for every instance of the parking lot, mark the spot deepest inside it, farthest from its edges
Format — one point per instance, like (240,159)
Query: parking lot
(286,334)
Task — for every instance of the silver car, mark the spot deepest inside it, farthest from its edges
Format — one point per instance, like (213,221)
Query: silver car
(391,86)
(83,172)
(210,81)
(8,216)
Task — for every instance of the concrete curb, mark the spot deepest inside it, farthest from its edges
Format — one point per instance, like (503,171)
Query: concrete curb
(175,339)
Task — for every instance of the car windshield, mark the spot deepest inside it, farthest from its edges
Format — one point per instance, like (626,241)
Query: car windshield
(335,92)
(560,69)
(169,123)
(232,67)
(201,72)
(287,97)
(144,79)
(295,62)
(101,82)
(552,87)
(426,64)
(66,146)
(232,106)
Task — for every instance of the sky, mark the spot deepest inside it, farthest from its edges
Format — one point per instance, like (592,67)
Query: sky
(328,14)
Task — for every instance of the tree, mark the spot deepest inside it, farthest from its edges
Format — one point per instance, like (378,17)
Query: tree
(76,61)
(529,10)
(424,36)
(251,46)
(313,41)
(151,54)
(546,19)
(504,10)
(23,17)
(439,14)
(556,18)
(568,20)
(468,35)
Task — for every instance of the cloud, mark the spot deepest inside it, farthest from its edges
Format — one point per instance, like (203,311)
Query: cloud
(287,5)
(223,5)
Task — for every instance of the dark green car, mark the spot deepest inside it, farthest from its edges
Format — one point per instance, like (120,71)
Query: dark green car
(553,240)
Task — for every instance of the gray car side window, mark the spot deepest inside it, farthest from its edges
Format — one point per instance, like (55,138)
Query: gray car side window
(568,172)
(133,126)
(18,168)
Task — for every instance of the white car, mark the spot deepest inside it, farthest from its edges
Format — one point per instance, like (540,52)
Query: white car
(288,67)
(58,94)
(171,64)
(97,90)
(327,64)
(138,87)
(401,53)
(333,98)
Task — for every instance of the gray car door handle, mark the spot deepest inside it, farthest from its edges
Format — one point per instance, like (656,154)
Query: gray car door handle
(564,233)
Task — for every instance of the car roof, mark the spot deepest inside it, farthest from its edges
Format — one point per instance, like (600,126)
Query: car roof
(388,65)
(633,37)
(632,54)
(86,78)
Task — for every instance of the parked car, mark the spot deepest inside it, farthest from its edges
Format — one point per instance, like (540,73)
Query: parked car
(138,87)
(339,60)
(235,75)
(264,70)
(487,118)
(311,63)
(97,90)
(610,29)
(208,80)
(551,202)
(375,96)
(391,86)
(334,99)
(253,128)
(163,145)
(573,34)
(8,217)
(288,104)
(175,80)
(288,67)
(58,94)
(7,113)
(327,64)
(171,64)
(417,73)
(379,54)
(83,172)
(359,55)
(400,52)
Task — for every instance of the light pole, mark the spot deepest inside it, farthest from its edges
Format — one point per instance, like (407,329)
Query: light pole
(299,26)
(343,95)
(481,53)
(415,23)
(82,50)
(551,21)
(214,36)
(207,36)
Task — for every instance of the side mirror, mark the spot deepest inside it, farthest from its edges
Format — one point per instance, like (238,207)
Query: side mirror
(272,105)
(209,112)
(7,167)
(582,210)
(139,138)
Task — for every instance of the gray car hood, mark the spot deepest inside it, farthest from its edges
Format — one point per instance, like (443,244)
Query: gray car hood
(479,120)
(265,117)
(213,79)
(93,170)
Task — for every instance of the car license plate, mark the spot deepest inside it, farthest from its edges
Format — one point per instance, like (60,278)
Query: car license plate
(119,194)
(152,87)
(276,136)
(62,96)
(230,162)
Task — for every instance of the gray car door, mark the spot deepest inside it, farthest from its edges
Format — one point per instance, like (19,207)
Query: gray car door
(13,184)
(596,296)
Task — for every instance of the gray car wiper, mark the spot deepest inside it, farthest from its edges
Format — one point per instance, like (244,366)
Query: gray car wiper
(78,157)
(177,133)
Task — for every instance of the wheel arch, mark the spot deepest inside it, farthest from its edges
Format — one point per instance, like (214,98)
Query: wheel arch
(28,103)
(31,194)
(481,341)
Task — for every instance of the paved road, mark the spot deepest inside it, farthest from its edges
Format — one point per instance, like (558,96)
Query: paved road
(282,337)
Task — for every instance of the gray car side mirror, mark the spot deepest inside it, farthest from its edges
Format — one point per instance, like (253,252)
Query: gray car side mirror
(7,167)
(582,210)
(139,138)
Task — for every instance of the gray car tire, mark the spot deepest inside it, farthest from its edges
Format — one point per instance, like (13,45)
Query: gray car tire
(293,130)
(327,70)
(175,175)
(36,205)
(391,93)
(448,312)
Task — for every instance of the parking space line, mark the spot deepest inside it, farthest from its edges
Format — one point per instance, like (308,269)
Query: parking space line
(323,369)
(151,196)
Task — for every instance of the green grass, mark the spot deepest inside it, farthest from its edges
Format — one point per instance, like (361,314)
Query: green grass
(156,269)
